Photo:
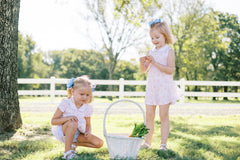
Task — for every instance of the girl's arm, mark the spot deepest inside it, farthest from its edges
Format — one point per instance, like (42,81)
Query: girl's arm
(57,120)
(170,67)
(144,64)
(88,126)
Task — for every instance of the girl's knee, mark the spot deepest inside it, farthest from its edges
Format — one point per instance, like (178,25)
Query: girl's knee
(72,124)
(99,143)
(150,119)
(164,119)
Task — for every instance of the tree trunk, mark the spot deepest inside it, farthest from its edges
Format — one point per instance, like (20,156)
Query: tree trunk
(196,90)
(215,89)
(110,87)
(196,87)
(177,72)
(10,118)
(111,70)
(225,91)
(236,90)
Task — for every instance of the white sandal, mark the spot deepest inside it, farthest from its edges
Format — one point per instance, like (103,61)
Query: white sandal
(163,147)
(74,148)
(69,154)
(145,146)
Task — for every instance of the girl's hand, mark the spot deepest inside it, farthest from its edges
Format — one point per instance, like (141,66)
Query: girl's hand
(143,59)
(57,118)
(88,126)
(151,59)
(72,118)
(86,134)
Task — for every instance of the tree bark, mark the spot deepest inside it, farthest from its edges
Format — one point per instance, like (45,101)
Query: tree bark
(225,91)
(215,89)
(10,118)
(236,90)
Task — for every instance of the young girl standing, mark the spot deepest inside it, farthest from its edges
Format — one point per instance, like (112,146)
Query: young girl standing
(72,119)
(161,90)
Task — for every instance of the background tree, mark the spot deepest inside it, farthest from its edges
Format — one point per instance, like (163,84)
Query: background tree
(74,62)
(30,63)
(234,48)
(186,18)
(207,46)
(26,48)
(127,70)
(118,23)
(10,118)
(230,57)
(212,46)
(55,58)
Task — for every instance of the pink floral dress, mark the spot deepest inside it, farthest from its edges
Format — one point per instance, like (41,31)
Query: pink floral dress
(161,89)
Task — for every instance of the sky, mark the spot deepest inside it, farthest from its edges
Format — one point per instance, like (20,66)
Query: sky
(57,24)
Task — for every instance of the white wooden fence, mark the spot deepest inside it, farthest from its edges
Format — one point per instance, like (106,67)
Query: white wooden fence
(121,83)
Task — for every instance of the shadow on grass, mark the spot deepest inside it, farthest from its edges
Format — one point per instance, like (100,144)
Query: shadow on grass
(38,139)
(28,132)
(21,149)
(206,131)
(196,143)
(26,141)
(155,154)
(99,154)
(6,136)
(200,149)
(44,130)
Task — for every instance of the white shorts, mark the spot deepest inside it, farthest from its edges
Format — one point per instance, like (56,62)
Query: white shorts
(58,133)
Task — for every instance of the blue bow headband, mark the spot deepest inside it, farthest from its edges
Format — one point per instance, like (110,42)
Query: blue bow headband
(70,84)
(155,21)
(93,87)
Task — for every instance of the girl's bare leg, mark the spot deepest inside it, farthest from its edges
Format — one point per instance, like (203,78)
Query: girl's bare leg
(91,141)
(69,130)
(164,116)
(150,115)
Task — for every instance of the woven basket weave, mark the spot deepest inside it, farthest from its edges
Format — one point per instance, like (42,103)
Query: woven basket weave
(120,147)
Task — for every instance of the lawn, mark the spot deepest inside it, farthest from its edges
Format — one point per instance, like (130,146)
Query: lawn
(45,99)
(201,106)
(191,137)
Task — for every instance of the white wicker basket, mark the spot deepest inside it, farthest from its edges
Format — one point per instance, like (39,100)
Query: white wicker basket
(120,147)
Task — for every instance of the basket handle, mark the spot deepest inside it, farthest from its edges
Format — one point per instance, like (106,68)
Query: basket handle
(122,100)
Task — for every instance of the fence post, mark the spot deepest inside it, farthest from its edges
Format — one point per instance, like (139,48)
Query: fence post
(182,86)
(52,89)
(121,88)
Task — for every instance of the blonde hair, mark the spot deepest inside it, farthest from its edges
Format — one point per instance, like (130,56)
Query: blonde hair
(165,30)
(82,81)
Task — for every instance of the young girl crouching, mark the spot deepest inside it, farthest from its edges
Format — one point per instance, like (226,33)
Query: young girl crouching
(72,119)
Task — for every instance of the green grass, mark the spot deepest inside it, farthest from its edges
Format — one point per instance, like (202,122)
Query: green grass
(191,138)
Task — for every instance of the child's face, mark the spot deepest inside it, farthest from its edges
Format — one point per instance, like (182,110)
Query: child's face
(158,38)
(81,95)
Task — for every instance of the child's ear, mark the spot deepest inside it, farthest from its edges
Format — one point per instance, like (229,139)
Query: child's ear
(72,91)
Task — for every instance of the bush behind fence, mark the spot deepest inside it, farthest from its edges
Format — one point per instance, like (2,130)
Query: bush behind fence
(121,92)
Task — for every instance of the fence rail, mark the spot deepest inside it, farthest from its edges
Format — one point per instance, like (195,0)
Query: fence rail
(121,83)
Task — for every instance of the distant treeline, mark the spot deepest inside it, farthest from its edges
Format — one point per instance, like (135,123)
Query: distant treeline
(209,50)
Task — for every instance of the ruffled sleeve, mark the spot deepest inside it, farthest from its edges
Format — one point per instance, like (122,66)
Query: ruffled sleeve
(63,105)
(89,111)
